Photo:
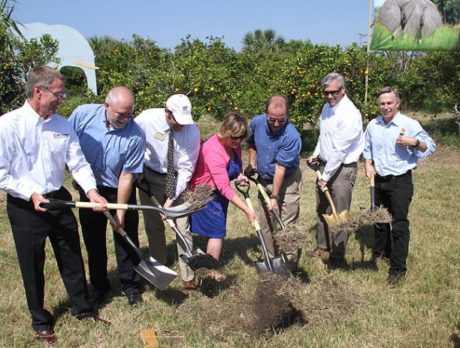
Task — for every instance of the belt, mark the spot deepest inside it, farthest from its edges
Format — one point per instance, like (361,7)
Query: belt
(154,171)
(392,177)
(52,194)
(348,165)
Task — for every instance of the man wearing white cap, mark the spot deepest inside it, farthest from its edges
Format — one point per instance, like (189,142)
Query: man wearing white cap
(170,128)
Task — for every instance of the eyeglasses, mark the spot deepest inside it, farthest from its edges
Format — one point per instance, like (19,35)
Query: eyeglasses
(273,120)
(61,95)
(333,93)
(238,138)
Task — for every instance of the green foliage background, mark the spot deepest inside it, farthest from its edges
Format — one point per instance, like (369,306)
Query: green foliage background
(219,79)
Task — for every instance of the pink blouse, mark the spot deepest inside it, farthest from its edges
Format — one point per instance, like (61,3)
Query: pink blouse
(211,168)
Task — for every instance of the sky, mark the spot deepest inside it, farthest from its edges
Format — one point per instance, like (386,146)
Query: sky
(333,22)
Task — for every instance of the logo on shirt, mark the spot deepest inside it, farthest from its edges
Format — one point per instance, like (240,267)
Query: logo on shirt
(60,135)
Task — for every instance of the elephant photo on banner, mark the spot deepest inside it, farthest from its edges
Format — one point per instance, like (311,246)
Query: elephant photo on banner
(416,25)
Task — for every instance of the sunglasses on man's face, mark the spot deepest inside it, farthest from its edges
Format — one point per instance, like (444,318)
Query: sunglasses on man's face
(334,93)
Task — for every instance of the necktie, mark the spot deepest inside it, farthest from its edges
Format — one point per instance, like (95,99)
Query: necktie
(170,176)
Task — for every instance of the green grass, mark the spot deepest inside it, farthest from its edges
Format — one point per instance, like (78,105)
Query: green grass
(446,38)
(349,307)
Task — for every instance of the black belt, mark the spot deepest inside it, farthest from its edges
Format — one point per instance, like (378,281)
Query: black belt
(391,177)
(154,171)
(52,194)
(348,165)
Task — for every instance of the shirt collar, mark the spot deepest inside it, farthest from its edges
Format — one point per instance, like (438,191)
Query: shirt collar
(396,120)
(33,116)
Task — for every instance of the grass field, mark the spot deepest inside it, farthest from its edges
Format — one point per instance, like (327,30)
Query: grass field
(342,307)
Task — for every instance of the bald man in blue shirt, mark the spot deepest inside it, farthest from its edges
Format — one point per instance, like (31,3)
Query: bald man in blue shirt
(114,146)
(274,150)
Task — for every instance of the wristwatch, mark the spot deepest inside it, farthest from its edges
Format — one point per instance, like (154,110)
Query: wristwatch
(417,143)
(275,197)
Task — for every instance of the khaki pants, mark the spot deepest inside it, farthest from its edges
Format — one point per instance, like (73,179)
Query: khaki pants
(289,205)
(155,228)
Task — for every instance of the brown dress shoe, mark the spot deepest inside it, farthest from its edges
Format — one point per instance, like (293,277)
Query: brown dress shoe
(318,252)
(46,336)
(96,319)
(189,285)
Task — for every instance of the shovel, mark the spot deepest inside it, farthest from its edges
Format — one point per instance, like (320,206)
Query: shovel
(172,213)
(255,178)
(150,269)
(269,264)
(194,259)
(334,219)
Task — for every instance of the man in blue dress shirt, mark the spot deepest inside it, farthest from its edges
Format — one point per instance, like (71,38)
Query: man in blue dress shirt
(393,145)
(114,146)
(274,150)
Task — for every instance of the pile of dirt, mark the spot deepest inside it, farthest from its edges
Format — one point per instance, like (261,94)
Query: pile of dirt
(349,226)
(291,238)
(379,215)
(274,305)
(199,197)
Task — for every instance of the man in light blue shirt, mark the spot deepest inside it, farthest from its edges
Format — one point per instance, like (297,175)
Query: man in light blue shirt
(393,145)
(114,146)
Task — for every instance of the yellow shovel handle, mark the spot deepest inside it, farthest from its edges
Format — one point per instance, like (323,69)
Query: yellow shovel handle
(249,203)
(329,198)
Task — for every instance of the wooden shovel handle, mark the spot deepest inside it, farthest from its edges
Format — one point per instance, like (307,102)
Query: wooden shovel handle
(249,203)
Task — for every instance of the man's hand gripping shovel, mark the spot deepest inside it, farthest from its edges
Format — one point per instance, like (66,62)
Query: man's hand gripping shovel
(334,219)
(269,264)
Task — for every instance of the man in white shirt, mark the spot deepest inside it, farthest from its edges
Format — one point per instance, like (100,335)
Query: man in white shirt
(159,125)
(37,145)
(339,146)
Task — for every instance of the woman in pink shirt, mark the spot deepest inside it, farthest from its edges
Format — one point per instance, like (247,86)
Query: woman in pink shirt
(220,162)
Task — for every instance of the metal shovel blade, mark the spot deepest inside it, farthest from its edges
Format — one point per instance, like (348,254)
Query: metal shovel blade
(278,267)
(271,264)
(155,273)
(150,269)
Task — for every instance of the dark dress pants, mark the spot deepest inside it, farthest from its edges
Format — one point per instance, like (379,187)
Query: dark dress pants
(395,194)
(94,227)
(30,230)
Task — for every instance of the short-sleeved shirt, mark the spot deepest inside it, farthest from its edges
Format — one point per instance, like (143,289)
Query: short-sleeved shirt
(110,152)
(281,148)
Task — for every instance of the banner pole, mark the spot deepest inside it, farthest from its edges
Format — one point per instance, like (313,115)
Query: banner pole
(366,73)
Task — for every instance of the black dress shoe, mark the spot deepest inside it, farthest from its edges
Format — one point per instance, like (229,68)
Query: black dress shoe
(134,299)
(47,336)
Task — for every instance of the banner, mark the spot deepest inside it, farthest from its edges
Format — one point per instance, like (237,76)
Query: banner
(416,25)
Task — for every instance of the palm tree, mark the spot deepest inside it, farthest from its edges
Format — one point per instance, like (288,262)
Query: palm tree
(101,44)
(7,23)
(262,40)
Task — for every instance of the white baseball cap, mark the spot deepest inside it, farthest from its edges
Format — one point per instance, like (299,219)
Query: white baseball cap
(181,108)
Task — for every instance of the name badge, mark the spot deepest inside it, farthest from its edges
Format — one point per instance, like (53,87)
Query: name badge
(159,136)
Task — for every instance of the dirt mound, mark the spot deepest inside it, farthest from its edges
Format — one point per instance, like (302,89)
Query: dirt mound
(274,305)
